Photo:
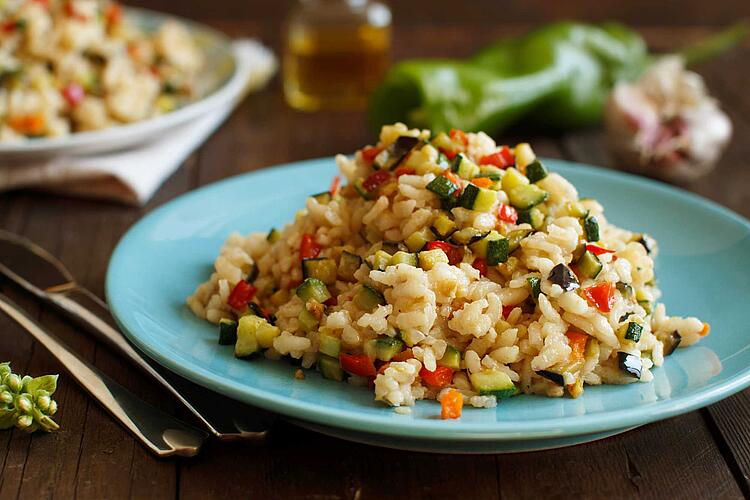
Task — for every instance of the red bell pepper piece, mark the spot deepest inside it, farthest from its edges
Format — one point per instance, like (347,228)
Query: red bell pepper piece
(73,94)
(441,377)
(403,355)
(596,250)
(480,265)
(507,310)
(448,153)
(370,152)
(502,158)
(506,213)
(308,248)
(577,342)
(601,296)
(459,136)
(375,179)
(358,364)
(242,293)
(403,170)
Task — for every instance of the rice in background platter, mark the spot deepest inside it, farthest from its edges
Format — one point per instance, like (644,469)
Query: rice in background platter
(447,264)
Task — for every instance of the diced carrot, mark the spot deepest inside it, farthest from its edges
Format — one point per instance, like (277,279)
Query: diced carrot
(335,186)
(404,170)
(705,330)
(482,182)
(459,136)
(577,342)
(403,355)
(451,404)
(33,124)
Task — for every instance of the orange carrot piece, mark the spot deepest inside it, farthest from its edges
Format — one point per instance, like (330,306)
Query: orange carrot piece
(451,404)
(705,330)
(482,182)
(403,355)
(577,342)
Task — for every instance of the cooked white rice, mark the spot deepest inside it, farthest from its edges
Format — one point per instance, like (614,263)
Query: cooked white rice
(493,321)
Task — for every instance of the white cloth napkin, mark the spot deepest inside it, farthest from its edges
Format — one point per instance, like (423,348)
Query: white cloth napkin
(133,176)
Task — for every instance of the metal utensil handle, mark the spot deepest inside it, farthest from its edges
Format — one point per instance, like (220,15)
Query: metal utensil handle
(224,418)
(163,434)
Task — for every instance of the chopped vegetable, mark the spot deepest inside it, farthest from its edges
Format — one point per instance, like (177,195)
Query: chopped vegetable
(227,332)
(465,168)
(670,342)
(490,382)
(630,331)
(418,239)
(428,258)
(443,226)
(307,321)
(442,186)
(591,228)
(381,260)
(313,289)
(348,265)
(601,296)
(480,265)
(513,178)
(321,268)
(368,299)
(308,248)
(468,235)
(508,214)
(273,236)
(552,377)
(597,250)
(387,347)
(453,253)
(626,290)
(441,377)
(535,171)
(589,265)
(242,293)
(323,198)
(451,358)
(404,258)
(451,404)
(533,216)
(247,342)
(329,345)
(526,196)
(630,364)
(73,94)
(476,198)
(357,364)
(502,158)
(369,153)
(493,248)
(577,342)
(330,368)
(335,186)
(535,284)
(515,237)
(396,153)
(562,276)
(402,170)
(375,180)
(483,182)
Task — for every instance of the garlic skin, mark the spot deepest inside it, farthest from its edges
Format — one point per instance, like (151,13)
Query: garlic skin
(665,124)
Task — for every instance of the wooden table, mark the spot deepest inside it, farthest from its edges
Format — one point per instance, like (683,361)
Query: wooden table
(702,454)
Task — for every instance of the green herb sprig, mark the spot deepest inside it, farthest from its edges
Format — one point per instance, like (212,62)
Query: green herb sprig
(26,402)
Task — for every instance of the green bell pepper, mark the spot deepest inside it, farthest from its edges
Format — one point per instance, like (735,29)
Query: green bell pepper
(555,77)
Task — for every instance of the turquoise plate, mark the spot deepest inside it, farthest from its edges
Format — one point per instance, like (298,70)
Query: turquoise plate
(703,271)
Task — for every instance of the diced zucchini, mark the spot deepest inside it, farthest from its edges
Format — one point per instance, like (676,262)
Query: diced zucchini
(265,334)
(442,187)
(392,247)
(348,265)
(387,347)
(554,377)
(320,268)
(442,141)
(323,198)
(591,228)
(313,289)
(329,345)
(670,342)
(330,368)
(630,331)
(526,196)
(626,290)
(443,161)
(443,226)
(535,171)
(524,155)
(468,235)
(465,168)
(359,187)
(476,198)
(512,179)
(535,284)
(644,299)
(404,258)
(494,248)
(381,260)
(533,216)
(451,358)
(227,332)
(273,236)
(307,321)
(368,299)
(429,258)
(589,265)
(630,365)
(496,173)
(247,343)
(562,276)
(515,237)
(493,383)
(418,239)
(576,209)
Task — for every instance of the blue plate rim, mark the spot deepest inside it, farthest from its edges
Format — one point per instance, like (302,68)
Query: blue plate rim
(433,429)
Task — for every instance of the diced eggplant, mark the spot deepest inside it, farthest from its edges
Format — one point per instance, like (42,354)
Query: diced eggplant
(392,247)
(321,268)
(630,364)
(255,310)
(535,284)
(348,265)
(252,273)
(562,276)
(671,342)
(323,198)
(313,289)
(396,152)
(552,376)
(648,242)
(273,236)
(368,299)
(625,290)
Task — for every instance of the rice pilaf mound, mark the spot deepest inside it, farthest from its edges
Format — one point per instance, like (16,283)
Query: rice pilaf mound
(447,264)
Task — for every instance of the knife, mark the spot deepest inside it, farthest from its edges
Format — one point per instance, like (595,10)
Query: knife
(160,432)
(38,272)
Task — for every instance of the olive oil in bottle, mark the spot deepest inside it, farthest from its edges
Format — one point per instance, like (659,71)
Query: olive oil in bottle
(336,53)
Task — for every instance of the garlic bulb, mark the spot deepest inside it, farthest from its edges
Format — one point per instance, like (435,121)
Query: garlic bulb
(665,124)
